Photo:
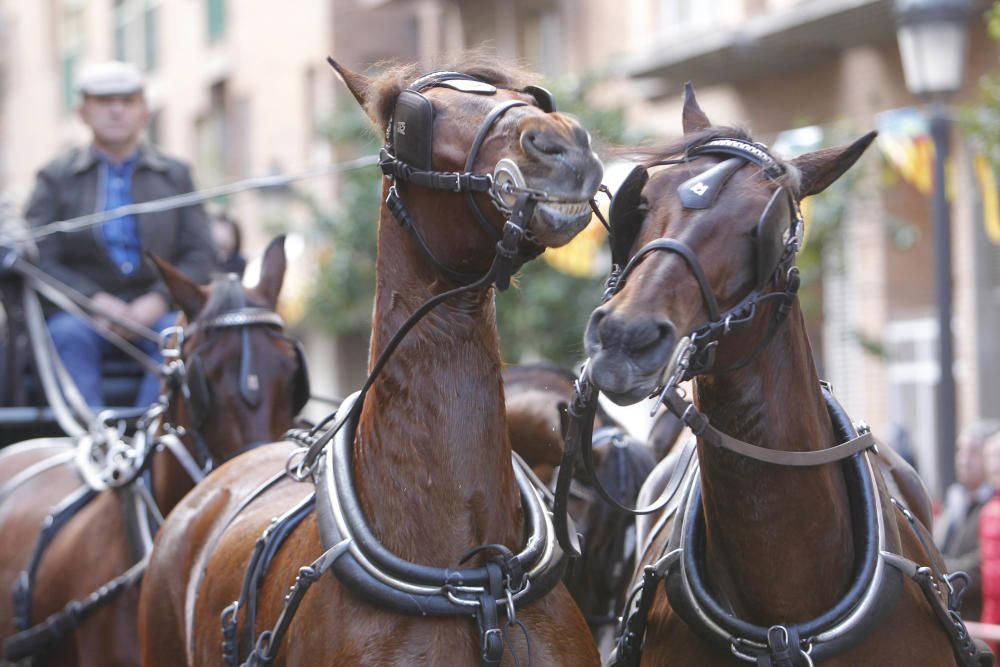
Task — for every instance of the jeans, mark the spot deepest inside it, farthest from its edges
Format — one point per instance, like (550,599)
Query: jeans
(82,349)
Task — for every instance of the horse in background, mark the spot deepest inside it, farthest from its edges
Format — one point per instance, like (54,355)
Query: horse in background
(537,396)
(234,340)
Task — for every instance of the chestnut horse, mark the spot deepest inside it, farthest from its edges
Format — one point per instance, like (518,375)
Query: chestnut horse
(789,551)
(426,466)
(234,337)
(537,398)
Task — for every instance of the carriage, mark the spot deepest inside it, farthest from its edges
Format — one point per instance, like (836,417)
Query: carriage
(406,528)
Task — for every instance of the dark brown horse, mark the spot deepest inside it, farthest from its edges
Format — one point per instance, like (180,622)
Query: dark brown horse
(537,397)
(429,461)
(768,555)
(109,534)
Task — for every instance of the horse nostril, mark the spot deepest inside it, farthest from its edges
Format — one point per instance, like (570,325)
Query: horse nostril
(540,144)
(648,335)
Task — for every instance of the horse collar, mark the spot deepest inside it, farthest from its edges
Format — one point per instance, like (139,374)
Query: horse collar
(368,569)
(871,596)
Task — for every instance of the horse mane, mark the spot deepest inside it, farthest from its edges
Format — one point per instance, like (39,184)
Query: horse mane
(650,156)
(385,87)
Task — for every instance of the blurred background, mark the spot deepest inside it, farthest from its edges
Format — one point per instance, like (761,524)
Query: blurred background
(241,89)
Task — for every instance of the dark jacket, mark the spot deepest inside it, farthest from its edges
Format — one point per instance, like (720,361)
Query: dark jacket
(67,188)
(961,552)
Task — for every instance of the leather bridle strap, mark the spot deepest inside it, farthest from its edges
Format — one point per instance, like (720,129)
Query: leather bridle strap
(450,181)
(700,426)
(681,248)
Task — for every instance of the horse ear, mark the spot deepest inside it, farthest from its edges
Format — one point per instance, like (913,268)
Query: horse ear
(693,118)
(357,83)
(186,293)
(272,271)
(820,169)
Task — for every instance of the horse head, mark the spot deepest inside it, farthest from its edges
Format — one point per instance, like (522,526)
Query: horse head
(242,380)
(704,229)
(484,135)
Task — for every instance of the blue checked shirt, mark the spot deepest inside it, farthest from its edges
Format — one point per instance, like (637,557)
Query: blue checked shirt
(121,235)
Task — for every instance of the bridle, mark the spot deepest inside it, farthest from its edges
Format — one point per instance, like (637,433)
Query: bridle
(188,383)
(779,236)
(406,158)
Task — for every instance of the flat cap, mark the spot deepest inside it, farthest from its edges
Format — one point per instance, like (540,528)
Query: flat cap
(110,78)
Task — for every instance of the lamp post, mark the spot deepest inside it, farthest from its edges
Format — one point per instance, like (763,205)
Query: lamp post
(932,46)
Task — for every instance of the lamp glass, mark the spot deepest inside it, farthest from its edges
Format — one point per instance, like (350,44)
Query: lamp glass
(933,55)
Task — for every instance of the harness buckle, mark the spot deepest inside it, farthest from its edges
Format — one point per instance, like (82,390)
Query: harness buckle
(488,638)
(458,180)
(175,335)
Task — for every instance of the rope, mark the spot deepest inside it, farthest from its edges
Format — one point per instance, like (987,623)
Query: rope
(194,197)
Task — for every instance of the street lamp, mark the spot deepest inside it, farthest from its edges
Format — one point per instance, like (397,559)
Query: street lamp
(932,46)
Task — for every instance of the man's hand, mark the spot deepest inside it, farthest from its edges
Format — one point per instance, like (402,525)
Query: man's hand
(111,306)
(146,310)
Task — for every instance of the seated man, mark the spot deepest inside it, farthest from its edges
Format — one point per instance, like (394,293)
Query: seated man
(106,262)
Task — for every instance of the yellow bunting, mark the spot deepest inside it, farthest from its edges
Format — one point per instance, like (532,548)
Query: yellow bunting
(991,199)
(581,257)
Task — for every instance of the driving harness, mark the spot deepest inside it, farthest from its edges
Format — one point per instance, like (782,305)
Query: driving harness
(128,471)
(878,574)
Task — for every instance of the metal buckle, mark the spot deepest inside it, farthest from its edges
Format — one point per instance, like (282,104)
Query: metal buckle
(488,634)
(458,180)
(175,333)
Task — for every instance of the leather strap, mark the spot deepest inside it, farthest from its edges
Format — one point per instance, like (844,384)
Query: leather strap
(700,426)
(673,245)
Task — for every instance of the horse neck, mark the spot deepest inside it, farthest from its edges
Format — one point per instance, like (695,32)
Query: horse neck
(780,546)
(432,455)
(170,480)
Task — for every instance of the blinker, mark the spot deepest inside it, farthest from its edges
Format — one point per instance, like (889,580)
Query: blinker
(701,191)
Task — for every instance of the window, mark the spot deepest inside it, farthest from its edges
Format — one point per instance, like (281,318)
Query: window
(678,15)
(541,37)
(135,32)
(212,136)
(70,30)
(913,375)
(216,19)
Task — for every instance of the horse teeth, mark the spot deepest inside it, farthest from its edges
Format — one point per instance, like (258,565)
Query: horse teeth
(570,208)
